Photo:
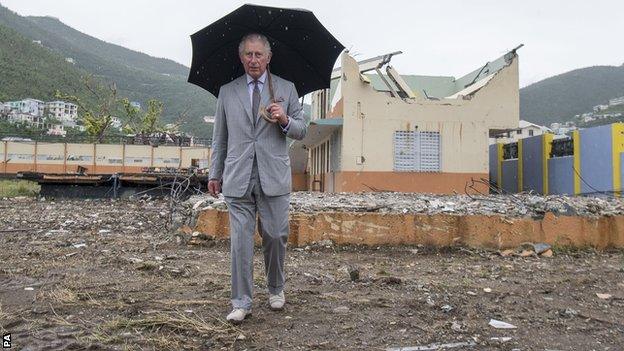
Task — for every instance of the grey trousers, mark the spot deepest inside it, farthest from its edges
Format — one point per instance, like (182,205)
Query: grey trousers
(273,226)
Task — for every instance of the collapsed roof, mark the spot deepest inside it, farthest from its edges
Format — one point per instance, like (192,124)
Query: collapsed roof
(430,87)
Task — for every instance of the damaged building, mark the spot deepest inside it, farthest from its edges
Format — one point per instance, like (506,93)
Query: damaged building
(375,130)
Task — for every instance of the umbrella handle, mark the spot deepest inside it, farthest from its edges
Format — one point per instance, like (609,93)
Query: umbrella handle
(263,112)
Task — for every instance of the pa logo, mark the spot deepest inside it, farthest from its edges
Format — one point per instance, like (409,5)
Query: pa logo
(6,341)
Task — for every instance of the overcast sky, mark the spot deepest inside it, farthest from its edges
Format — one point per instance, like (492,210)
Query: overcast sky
(436,37)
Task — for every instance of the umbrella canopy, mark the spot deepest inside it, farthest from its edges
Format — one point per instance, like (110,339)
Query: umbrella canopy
(304,52)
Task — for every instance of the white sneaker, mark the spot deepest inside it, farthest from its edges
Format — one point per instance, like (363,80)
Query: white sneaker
(238,315)
(277,301)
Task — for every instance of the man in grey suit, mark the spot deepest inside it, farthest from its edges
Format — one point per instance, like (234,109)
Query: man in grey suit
(250,165)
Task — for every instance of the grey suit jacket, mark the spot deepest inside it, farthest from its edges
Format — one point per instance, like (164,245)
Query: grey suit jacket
(235,140)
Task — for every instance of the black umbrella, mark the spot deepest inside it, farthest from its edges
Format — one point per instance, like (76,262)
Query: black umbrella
(304,52)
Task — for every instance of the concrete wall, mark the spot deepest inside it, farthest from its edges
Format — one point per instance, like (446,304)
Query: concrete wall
(493,164)
(96,158)
(371,118)
(494,232)
(596,166)
(532,167)
(510,176)
(561,175)
(596,163)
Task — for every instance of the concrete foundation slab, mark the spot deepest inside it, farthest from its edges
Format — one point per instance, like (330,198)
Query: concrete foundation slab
(482,231)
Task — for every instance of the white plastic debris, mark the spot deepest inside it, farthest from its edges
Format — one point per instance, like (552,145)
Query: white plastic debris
(501,338)
(501,325)
(435,346)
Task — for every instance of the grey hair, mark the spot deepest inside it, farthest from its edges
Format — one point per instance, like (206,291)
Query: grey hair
(254,37)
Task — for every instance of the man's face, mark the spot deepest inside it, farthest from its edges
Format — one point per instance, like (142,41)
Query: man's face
(255,58)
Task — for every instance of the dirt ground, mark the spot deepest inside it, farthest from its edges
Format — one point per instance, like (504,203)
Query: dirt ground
(109,275)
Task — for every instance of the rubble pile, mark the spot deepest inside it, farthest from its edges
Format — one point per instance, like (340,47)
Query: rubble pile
(516,205)
(72,218)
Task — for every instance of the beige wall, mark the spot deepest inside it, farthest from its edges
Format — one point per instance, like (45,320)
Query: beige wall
(463,124)
(189,153)
(96,158)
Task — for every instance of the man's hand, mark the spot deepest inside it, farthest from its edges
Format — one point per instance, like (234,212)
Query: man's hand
(214,187)
(277,112)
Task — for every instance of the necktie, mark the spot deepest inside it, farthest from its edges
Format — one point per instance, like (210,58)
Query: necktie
(256,101)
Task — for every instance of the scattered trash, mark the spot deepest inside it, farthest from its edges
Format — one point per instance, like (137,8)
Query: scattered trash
(568,312)
(507,252)
(201,239)
(391,280)
(603,296)
(539,248)
(529,249)
(501,338)
(487,290)
(326,242)
(77,246)
(446,308)
(471,293)
(241,337)
(434,346)
(457,327)
(501,325)
(28,288)
(341,309)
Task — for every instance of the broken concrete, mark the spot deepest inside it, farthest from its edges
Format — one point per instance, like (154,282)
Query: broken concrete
(492,221)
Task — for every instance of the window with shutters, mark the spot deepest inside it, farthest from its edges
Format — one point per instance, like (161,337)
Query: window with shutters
(416,151)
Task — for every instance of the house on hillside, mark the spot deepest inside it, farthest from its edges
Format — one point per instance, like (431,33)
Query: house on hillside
(525,129)
(375,130)
(65,112)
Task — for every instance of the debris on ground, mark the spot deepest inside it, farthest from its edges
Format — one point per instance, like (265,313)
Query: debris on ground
(510,205)
(139,283)
(501,325)
(435,346)
(529,250)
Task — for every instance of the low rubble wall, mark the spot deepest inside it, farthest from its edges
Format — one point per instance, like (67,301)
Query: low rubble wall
(482,231)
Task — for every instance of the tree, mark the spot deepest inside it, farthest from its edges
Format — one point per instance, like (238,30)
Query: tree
(139,122)
(96,120)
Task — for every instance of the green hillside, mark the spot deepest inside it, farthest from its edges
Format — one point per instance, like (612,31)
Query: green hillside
(138,76)
(110,52)
(29,70)
(559,98)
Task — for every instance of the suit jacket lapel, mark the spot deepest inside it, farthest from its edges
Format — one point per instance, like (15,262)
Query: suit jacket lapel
(243,94)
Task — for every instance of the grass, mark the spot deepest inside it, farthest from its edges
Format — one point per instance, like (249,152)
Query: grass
(14,188)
